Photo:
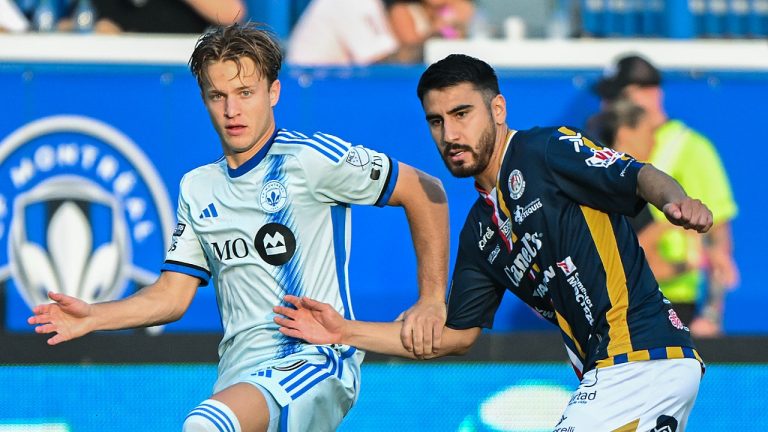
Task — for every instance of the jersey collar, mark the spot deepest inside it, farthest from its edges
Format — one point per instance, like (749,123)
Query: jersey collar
(254,160)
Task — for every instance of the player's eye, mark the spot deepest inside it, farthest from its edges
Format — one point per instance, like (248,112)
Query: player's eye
(435,122)
(246,93)
(215,96)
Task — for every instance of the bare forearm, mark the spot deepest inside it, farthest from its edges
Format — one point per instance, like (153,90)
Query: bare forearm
(143,309)
(164,301)
(384,338)
(426,208)
(379,337)
(658,188)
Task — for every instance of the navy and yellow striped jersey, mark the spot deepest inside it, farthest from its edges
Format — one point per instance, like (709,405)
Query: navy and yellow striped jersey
(554,231)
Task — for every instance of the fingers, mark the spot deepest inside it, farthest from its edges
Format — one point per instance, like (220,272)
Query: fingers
(690,214)
(285,311)
(311,304)
(284,322)
(45,329)
(55,340)
(422,341)
(292,300)
(406,333)
(290,332)
(437,336)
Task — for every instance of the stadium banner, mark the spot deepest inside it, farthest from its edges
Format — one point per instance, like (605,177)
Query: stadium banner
(487,397)
(91,156)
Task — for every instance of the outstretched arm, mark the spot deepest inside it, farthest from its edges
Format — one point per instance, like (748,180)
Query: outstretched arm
(666,194)
(164,301)
(426,206)
(319,323)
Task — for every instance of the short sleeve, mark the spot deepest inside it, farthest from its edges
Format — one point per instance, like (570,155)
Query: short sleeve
(593,175)
(358,176)
(473,298)
(186,254)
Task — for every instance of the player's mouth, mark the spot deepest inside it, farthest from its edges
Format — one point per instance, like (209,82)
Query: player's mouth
(235,129)
(457,153)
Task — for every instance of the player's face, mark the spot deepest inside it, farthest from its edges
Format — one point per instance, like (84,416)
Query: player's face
(462,127)
(240,106)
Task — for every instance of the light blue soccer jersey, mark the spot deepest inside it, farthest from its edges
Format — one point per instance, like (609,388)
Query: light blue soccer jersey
(277,225)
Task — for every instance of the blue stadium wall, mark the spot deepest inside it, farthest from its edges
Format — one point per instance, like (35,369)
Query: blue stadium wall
(489,397)
(159,109)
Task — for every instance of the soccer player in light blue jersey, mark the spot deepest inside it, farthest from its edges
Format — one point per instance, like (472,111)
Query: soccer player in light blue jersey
(269,219)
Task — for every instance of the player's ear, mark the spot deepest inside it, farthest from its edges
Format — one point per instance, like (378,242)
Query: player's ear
(499,109)
(274,92)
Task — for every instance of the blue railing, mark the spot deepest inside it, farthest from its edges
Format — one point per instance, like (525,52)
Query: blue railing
(678,19)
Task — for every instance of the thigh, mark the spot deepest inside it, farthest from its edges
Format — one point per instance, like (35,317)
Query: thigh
(636,396)
(249,405)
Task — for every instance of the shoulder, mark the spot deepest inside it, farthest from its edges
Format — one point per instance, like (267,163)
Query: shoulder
(205,173)
(537,138)
(318,147)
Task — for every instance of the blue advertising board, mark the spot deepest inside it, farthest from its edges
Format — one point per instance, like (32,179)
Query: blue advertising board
(485,397)
(91,156)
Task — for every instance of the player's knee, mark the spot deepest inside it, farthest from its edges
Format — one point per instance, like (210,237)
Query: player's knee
(211,416)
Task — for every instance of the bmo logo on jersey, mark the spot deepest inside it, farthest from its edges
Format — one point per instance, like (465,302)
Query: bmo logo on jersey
(275,243)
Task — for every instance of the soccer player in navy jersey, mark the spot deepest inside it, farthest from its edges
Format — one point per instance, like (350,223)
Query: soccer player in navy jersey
(549,225)
(269,219)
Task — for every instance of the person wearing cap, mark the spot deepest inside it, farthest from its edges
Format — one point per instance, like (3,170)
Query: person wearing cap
(691,159)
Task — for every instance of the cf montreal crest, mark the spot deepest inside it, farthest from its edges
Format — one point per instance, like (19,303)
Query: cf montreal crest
(82,212)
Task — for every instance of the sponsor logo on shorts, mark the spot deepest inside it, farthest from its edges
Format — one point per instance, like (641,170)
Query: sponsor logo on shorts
(582,397)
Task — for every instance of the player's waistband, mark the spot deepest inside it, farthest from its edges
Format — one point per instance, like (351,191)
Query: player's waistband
(652,354)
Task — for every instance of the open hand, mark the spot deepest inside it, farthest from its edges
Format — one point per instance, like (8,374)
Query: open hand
(67,317)
(311,320)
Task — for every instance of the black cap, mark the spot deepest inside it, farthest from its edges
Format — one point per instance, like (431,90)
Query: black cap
(628,70)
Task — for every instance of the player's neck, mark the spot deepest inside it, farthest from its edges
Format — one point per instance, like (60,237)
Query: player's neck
(487,179)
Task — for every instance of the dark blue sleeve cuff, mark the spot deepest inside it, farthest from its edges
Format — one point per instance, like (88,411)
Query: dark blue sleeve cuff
(187,269)
(389,187)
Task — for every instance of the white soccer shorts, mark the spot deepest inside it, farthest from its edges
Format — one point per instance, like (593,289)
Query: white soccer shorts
(653,395)
(311,393)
